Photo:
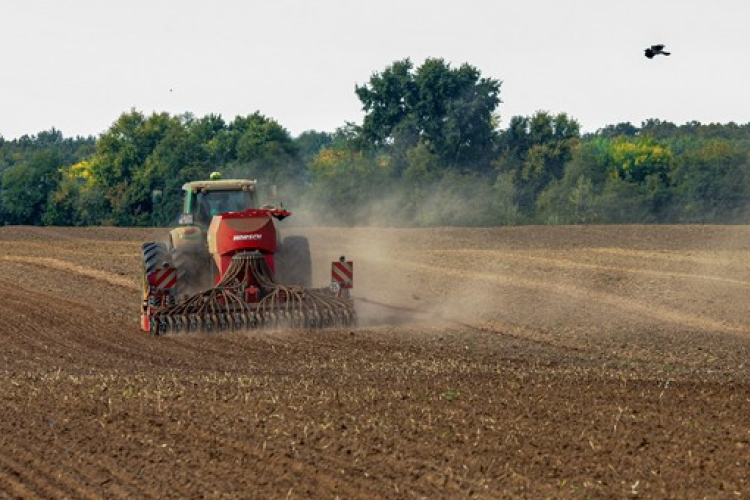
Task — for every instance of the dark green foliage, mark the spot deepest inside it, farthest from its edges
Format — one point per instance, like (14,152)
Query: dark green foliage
(622,128)
(712,182)
(30,172)
(447,110)
(125,167)
(26,187)
(535,151)
(310,143)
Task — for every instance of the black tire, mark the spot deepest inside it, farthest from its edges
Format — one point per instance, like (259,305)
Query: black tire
(193,264)
(293,264)
(153,256)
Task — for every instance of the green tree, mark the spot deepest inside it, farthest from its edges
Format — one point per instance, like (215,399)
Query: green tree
(265,150)
(622,202)
(449,110)
(503,203)
(712,182)
(26,187)
(658,129)
(388,99)
(311,142)
(77,201)
(535,151)
(622,128)
(17,160)
(562,203)
(120,158)
(180,156)
(348,188)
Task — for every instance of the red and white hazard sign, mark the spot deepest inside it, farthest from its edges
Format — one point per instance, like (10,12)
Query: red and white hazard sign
(342,272)
(163,278)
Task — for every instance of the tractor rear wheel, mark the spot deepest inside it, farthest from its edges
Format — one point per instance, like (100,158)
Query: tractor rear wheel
(154,255)
(293,264)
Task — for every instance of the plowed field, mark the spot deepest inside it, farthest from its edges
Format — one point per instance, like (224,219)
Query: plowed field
(537,362)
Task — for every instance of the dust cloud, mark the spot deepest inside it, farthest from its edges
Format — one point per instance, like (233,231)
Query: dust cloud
(398,239)
(461,202)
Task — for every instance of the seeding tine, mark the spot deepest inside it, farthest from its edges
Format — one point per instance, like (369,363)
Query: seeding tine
(163,324)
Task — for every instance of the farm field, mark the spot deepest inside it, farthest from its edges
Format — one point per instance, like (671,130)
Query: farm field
(526,362)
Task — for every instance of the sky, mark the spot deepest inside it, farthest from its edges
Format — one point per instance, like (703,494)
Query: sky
(77,65)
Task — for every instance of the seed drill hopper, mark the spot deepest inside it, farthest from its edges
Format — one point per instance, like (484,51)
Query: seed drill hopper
(225,268)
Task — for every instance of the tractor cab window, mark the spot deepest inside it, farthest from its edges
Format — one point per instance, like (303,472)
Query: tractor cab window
(212,203)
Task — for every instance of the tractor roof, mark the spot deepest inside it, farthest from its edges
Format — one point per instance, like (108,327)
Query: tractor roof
(221,185)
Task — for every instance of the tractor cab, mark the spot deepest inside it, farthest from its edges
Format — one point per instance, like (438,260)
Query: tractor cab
(204,199)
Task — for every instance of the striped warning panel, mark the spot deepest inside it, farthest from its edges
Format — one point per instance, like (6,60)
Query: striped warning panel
(163,278)
(342,272)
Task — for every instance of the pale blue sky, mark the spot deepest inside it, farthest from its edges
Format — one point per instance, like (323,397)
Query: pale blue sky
(76,65)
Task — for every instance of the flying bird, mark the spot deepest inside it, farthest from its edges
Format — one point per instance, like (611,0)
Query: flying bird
(655,50)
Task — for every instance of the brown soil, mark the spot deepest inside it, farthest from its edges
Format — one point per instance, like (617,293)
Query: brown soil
(539,362)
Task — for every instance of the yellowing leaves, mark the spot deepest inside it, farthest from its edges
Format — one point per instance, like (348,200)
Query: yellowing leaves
(636,159)
(80,171)
(332,161)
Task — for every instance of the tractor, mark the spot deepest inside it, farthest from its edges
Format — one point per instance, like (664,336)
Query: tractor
(225,267)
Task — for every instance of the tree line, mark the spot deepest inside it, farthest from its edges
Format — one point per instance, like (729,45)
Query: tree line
(430,151)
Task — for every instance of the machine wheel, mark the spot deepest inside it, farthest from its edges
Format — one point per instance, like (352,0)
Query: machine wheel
(193,265)
(293,264)
(155,255)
